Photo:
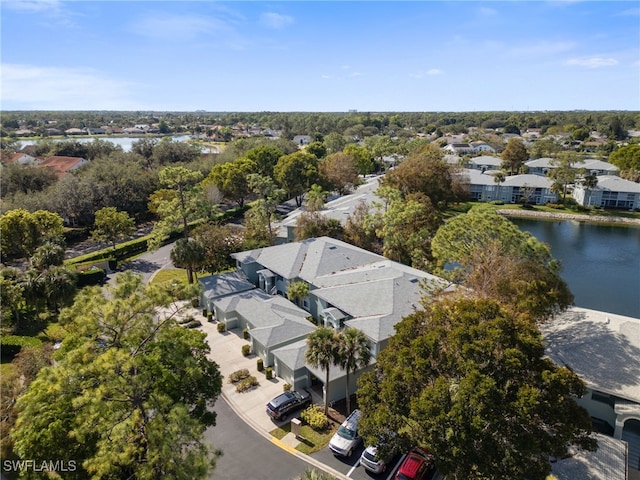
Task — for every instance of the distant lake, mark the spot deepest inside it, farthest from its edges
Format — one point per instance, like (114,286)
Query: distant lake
(600,263)
(124,142)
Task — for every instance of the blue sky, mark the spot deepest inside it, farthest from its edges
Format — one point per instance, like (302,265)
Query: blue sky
(320,56)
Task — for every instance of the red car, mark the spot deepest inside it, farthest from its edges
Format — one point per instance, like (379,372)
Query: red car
(416,465)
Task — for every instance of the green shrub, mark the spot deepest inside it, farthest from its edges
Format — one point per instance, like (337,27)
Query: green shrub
(54,332)
(93,276)
(238,375)
(205,312)
(209,317)
(556,206)
(246,350)
(314,417)
(247,384)
(286,387)
(245,333)
(193,324)
(496,202)
(260,364)
(195,302)
(221,327)
(184,321)
(269,373)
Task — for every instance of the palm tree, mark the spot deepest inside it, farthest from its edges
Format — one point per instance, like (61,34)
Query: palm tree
(354,352)
(313,474)
(188,254)
(47,255)
(59,284)
(589,182)
(297,291)
(322,353)
(498,178)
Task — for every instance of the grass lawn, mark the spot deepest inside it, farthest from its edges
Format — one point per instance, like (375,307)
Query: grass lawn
(171,274)
(7,369)
(313,441)
(466,206)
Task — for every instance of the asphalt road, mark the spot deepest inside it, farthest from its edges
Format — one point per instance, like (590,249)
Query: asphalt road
(246,454)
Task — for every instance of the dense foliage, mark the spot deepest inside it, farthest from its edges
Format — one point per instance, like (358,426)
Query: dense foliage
(130,393)
(469,380)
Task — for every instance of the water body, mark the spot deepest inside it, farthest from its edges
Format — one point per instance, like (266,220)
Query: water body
(124,142)
(600,263)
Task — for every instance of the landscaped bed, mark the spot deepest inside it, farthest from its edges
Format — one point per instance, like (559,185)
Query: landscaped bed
(313,441)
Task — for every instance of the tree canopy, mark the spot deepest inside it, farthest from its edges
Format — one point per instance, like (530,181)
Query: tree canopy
(296,173)
(514,156)
(469,380)
(427,173)
(627,159)
(111,225)
(491,255)
(130,393)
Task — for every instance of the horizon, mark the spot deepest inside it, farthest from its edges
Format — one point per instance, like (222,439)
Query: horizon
(320,57)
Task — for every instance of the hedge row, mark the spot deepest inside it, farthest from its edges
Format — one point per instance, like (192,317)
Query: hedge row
(140,245)
(94,276)
(12,344)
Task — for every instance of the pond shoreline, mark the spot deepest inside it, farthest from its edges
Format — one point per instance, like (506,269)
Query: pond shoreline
(568,216)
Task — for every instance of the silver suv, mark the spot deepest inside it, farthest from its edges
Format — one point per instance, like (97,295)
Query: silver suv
(346,439)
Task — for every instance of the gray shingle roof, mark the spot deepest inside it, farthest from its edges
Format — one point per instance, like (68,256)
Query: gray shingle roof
(617,184)
(282,333)
(292,355)
(609,462)
(261,309)
(602,348)
(310,258)
(216,286)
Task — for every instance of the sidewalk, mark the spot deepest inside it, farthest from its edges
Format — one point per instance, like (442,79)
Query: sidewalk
(226,351)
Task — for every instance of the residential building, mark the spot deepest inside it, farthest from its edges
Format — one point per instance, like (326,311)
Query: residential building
(62,165)
(484,163)
(482,147)
(459,149)
(534,189)
(348,286)
(21,158)
(610,192)
(302,140)
(542,166)
(604,350)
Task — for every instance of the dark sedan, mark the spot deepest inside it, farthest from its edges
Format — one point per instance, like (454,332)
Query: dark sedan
(280,407)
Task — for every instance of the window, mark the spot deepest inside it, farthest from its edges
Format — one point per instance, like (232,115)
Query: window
(603,398)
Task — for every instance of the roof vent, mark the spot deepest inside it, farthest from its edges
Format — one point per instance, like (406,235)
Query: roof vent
(414,280)
(332,247)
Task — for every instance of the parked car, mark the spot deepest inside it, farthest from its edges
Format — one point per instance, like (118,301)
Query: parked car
(282,405)
(346,439)
(416,465)
(372,462)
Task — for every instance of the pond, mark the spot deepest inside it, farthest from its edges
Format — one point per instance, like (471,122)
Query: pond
(601,263)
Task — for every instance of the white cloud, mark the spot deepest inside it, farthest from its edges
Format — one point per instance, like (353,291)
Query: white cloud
(487,12)
(431,72)
(42,88)
(275,20)
(32,6)
(593,62)
(355,74)
(543,48)
(177,27)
